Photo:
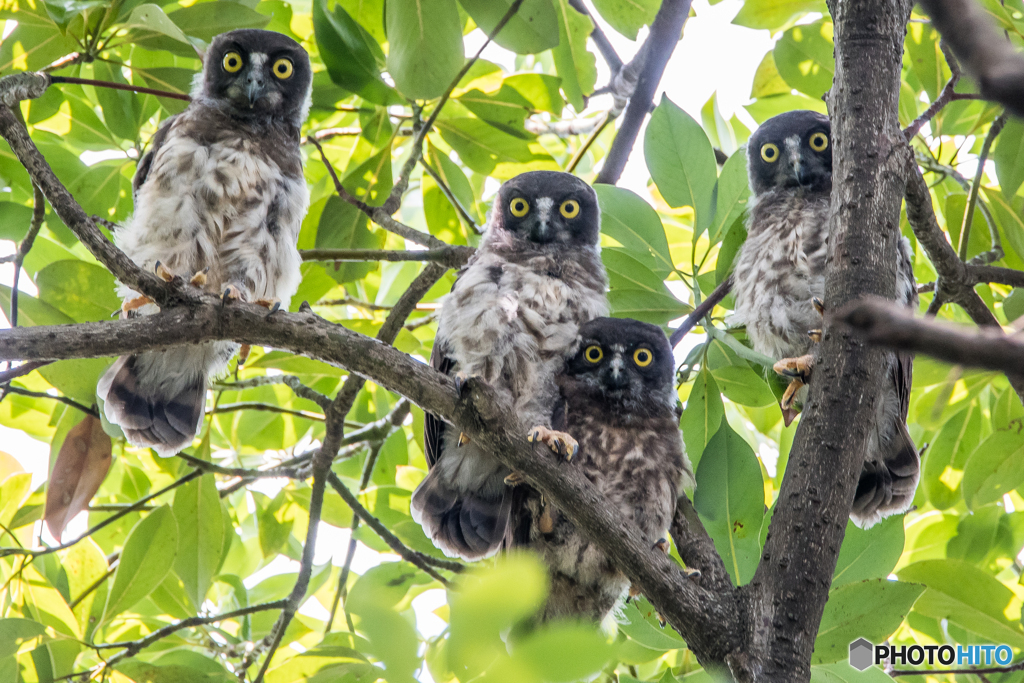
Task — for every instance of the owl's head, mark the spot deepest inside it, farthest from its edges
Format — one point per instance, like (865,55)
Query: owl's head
(254,74)
(791,150)
(547,208)
(624,361)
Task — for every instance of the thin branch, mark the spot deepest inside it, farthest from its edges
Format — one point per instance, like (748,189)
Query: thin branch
(23,369)
(293,382)
(264,407)
(421,560)
(604,46)
(944,98)
(38,213)
(655,52)
(1003,276)
(12,389)
(703,309)
(884,324)
(453,257)
(120,86)
(972,201)
(350,301)
(450,196)
(36,552)
(394,200)
(989,57)
(347,131)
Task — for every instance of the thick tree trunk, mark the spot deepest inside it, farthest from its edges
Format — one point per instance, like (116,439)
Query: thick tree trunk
(870,161)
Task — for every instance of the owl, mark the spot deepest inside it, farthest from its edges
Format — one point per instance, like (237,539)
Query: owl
(512,315)
(617,398)
(779,281)
(219,198)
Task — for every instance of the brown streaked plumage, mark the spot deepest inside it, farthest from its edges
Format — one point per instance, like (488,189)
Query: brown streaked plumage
(512,315)
(781,269)
(621,407)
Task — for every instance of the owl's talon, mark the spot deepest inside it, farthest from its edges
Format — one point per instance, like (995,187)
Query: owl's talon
(692,573)
(634,590)
(199,278)
(661,619)
(514,479)
(815,335)
(136,303)
(560,442)
(790,395)
(546,524)
(461,379)
(273,305)
(662,545)
(463,439)
(797,368)
(163,273)
(230,293)
(819,306)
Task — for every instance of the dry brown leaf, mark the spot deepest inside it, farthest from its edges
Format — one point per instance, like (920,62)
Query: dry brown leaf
(82,465)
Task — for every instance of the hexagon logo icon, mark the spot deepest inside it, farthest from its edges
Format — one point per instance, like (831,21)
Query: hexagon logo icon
(860,654)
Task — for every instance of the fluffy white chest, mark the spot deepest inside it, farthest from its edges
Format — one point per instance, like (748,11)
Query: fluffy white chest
(223,206)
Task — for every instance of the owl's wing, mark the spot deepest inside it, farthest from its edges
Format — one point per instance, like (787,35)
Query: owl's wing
(433,426)
(146,162)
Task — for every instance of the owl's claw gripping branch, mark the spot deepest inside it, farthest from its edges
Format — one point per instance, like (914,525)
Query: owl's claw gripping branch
(514,479)
(461,379)
(230,293)
(560,442)
(199,279)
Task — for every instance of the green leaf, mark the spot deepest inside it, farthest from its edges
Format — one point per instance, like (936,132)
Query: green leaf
(426,51)
(995,468)
(638,622)
(943,468)
(804,57)
(774,14)
(967,596)
(84,564)
(681,161)
(82,291)
(767,80)
(532,29)
(540,90)
(1009,157)
(14,221)
(564,651)
(634,224)
(869,553)
(346,52)
(647,306)
(1013,305)
(626,272)
(766,107)
(490,151)
(147,557)
(702,415)
(627,16)
(730,501)
(76,378)
(14,490)
(576,66)
(197,511)
(506,109)
(31,311)
(206,20)
(18,633)
(744,386)
(732,191)
(149,21)
(870,609)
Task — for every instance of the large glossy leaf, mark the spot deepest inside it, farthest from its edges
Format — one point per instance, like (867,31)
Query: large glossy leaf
(730,501)
(773,14)
(197,511)
(346,50)
(491,151)
(206,20)
(804,59)
(870,609)
(731,193)
(869,553)
(634,224)
(425,39)
(627,16)
(944,466)
(995,468)
(575,64)
(681,161)
(82,291)
(1009,157)
(702,415)
(534,28)
(148,556)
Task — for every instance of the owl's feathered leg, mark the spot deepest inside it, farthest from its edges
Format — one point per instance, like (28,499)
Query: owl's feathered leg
(798,369)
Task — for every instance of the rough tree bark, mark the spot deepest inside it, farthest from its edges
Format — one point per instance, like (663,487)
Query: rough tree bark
(870,162)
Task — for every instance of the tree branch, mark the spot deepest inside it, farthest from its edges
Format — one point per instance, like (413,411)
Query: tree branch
(704,308)
(23,369)
(656,51)
(945,97)
(38,213)
(988,56)
(60,399)
(453,257)
(882,324)
(972,201)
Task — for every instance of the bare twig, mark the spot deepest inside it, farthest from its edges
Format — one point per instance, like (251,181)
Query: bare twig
(995,64)
(120,86)
(12,389)
(264,407)
(450,196)
(657,49)
(965,231)
(453,257)
(944,98)
(23,369)
(293,382)
(704,308)
(884,324)
(38,212)
(1003,276)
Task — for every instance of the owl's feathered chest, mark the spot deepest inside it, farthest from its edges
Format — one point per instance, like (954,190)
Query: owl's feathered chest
(781,268)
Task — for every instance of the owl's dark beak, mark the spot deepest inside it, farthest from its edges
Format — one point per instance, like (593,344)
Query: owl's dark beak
(542,231)
(255,87)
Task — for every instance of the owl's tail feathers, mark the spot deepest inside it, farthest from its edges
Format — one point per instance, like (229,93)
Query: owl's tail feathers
(887,485)
(461,524)
(155,409)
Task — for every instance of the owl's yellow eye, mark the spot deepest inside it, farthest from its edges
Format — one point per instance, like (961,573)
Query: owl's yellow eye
(770,152)
(232,62)
(818,142)
(593,353)
(643,357)
(519,207)
(570,208)
(283,68)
